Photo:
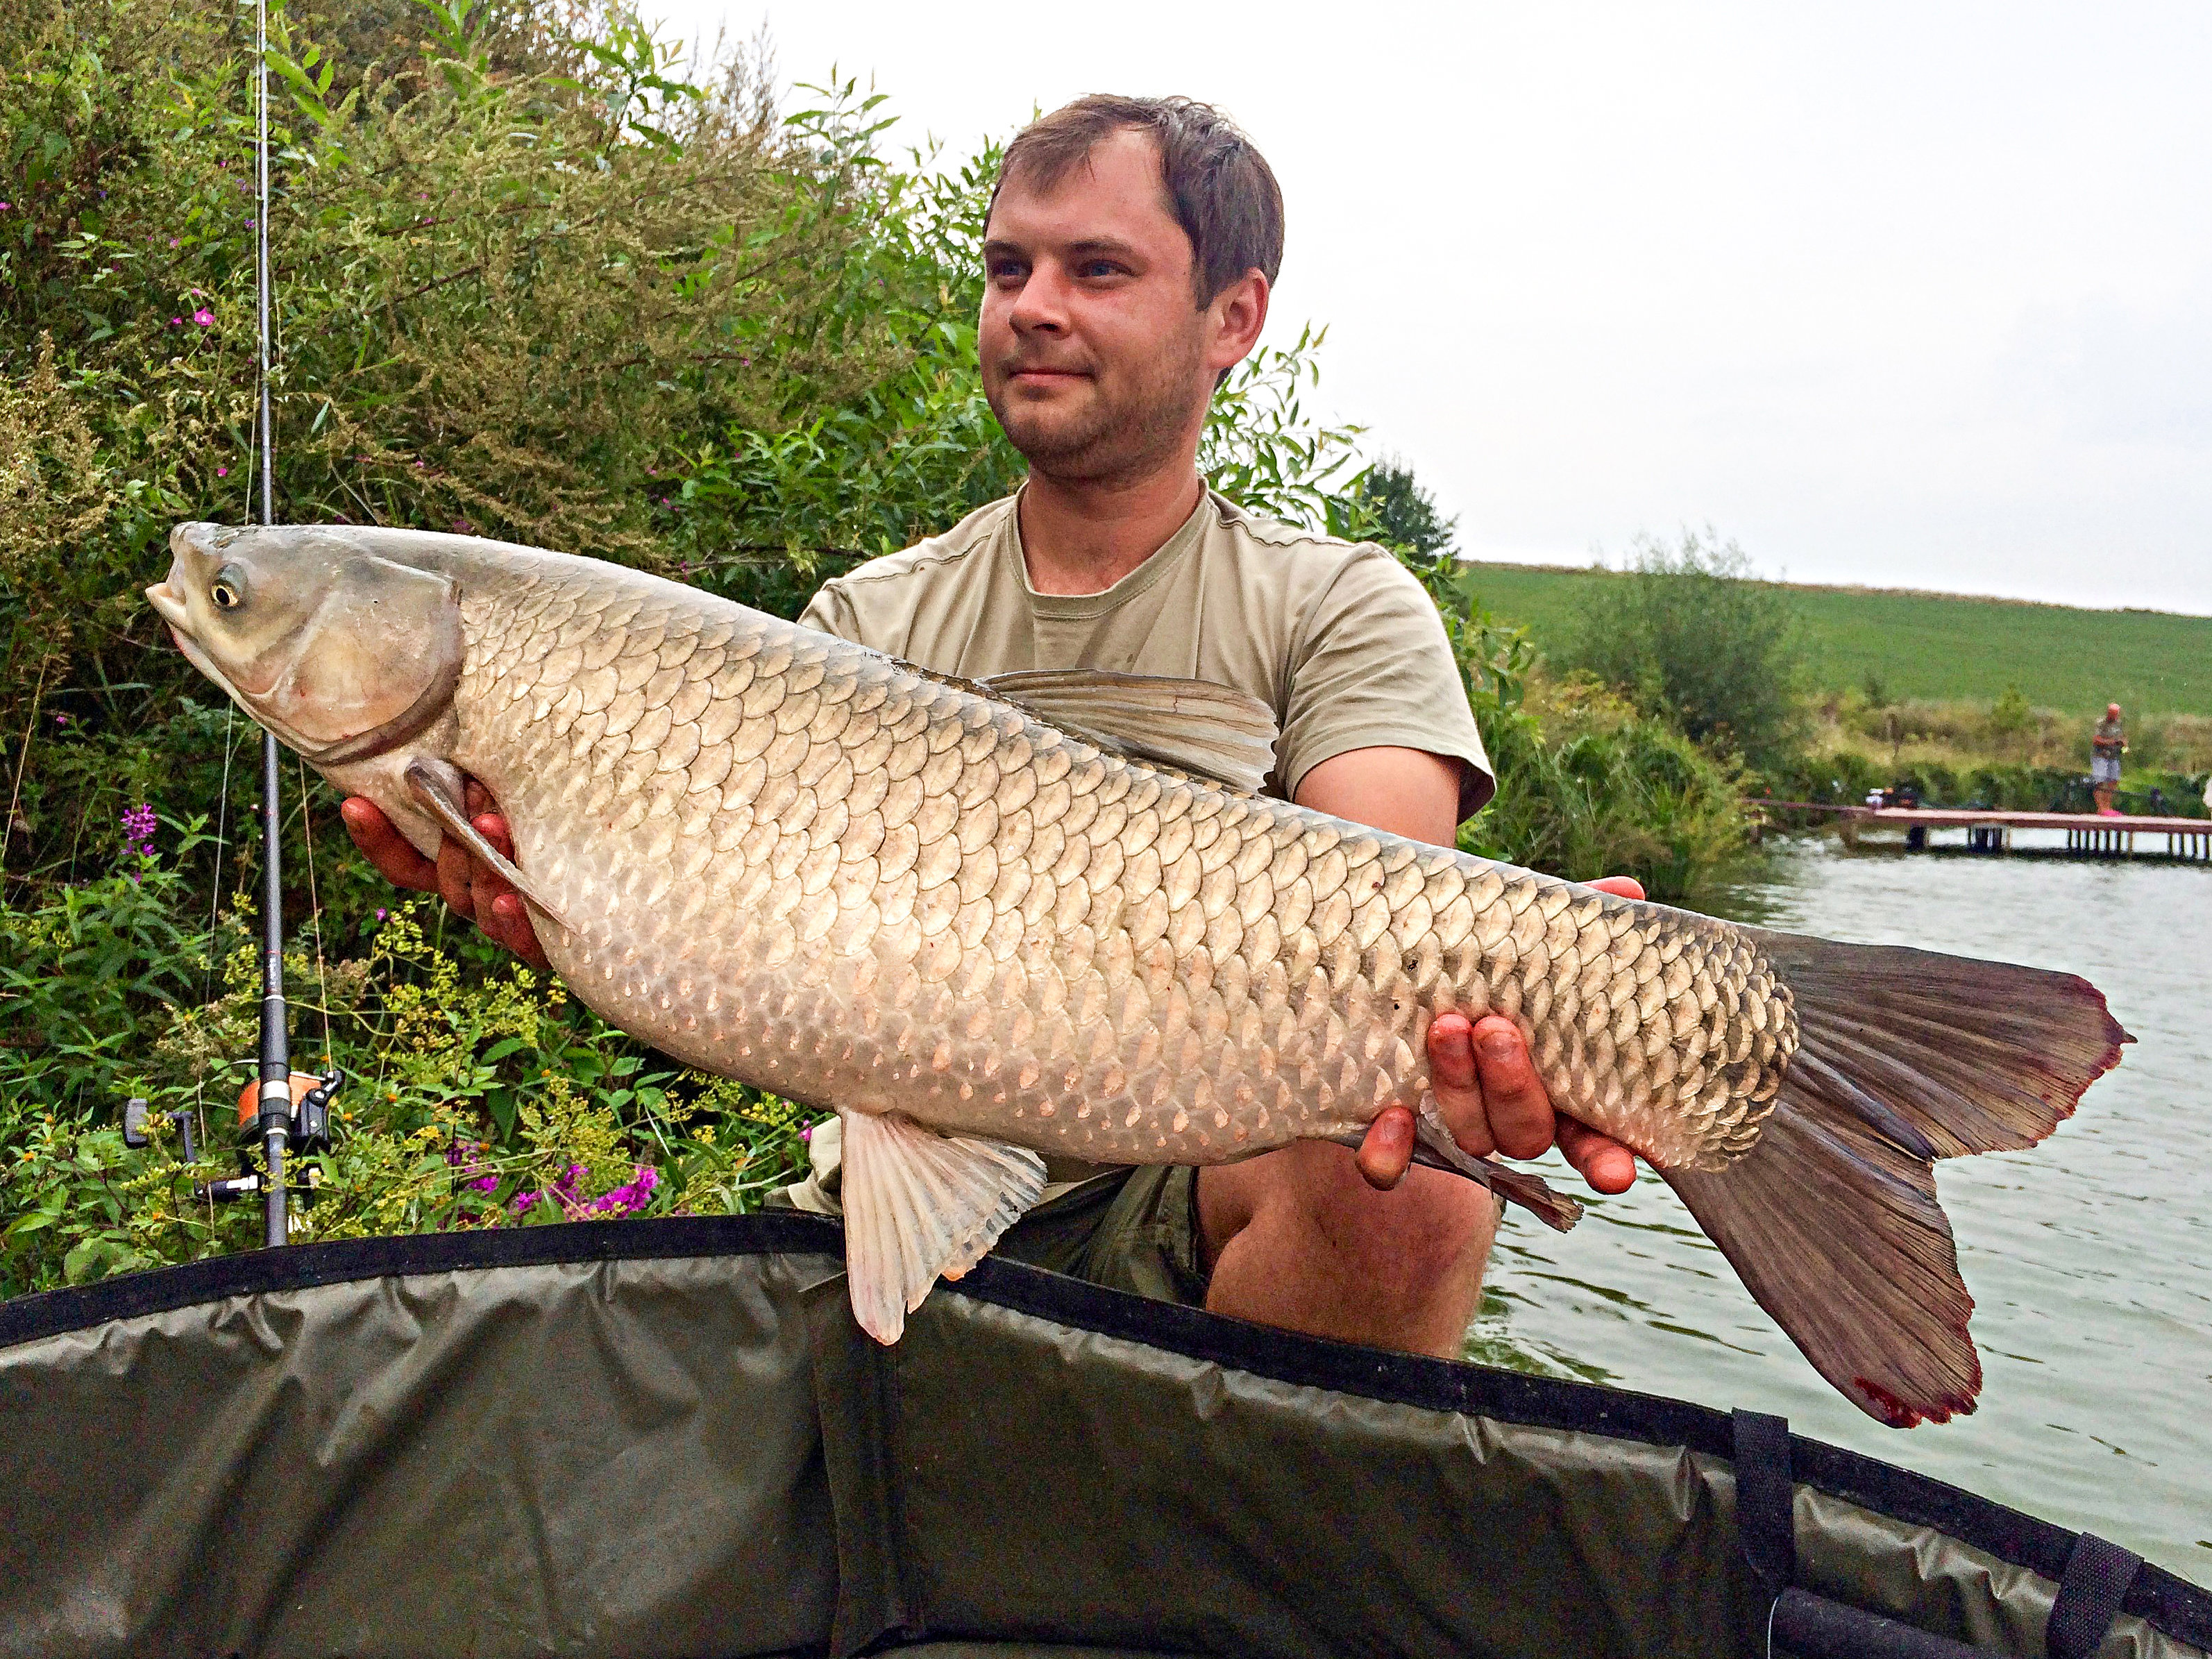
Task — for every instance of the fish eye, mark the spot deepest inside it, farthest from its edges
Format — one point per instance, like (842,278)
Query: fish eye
(228,588)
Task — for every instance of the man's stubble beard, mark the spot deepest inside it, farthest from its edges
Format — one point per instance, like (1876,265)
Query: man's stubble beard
(1108,442)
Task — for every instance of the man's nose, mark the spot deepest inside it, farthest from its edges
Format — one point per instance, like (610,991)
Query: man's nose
(1041,307)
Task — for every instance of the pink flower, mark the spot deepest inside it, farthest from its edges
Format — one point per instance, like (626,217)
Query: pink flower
(222,472)
(4,206)
(176,322)
(204,316)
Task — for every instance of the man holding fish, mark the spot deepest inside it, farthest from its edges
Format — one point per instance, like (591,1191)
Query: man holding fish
(1129,254)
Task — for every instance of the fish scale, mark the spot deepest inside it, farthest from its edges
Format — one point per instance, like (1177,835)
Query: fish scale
(972,920)
(891,901)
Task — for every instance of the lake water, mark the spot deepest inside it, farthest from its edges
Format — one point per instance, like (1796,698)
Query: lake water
(2089,1258)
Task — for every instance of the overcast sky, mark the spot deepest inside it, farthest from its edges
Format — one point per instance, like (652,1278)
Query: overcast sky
(1908,295)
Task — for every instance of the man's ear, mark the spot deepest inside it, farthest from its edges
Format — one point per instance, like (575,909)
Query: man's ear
(383,647)
(1236,317)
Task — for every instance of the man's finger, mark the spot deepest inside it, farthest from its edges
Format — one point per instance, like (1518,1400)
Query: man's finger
(486,883)
(1604,1161)
(1513,1098)
(454,877)
(384,847)
(508,922)
(1388,1151)
(1458,1090)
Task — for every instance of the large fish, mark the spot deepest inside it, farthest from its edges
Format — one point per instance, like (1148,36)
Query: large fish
(988,921)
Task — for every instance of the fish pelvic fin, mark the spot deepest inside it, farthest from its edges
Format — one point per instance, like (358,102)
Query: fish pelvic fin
(1905,1057)
(441,798)
(919,1205)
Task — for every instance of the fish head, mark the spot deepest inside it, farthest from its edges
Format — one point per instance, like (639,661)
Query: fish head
(343,651)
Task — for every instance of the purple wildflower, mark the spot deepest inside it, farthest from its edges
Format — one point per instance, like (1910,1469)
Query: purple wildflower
(379,916)
(632,1195)
(204,316)
(462,1154)
(138,826)
(222,472)
(561,1192)
(61,720)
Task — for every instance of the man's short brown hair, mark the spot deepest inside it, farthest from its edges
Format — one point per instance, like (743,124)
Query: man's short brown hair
(1219,187)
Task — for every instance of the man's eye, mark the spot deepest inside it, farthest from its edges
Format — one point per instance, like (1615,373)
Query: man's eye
(1099,268)
(1004,271)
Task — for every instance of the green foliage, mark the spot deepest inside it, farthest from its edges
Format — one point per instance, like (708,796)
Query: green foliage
(1587,785)
(1690,639)
(1406,515)
(477,1098)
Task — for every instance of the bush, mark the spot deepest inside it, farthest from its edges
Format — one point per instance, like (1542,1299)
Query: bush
(1405,513)
(1689,639)
(1587,785)
(477,1096)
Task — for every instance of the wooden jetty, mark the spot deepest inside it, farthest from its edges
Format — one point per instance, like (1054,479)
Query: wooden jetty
(2086,836)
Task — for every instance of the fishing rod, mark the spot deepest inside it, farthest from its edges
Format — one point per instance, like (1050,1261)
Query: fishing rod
(275,1092)
(273,1114)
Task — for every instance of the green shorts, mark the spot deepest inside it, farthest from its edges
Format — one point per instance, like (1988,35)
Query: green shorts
(1126,1229)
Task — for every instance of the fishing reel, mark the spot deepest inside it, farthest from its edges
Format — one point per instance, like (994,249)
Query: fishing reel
(309,1131)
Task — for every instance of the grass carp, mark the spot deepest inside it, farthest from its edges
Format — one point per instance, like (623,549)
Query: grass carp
(988,921)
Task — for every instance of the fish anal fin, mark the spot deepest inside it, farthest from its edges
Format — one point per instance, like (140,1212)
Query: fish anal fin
(919,1205)
(440,797)
(1434,1146)
(1193,726)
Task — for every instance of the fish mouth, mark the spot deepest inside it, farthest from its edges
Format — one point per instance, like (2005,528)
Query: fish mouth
(169,606)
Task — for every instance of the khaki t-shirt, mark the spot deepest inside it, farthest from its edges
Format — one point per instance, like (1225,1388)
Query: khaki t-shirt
(1339,639)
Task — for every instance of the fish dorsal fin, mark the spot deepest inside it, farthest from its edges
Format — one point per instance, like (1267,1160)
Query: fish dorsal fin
(441,798)
(1193,726)
(919,1203)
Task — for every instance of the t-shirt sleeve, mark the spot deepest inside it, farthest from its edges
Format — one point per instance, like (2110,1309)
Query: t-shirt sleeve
(831,612)
(1371,667)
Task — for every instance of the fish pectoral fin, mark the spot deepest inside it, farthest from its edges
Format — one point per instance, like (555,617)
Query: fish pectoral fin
(919,1203)
(440,798)
(1193,726)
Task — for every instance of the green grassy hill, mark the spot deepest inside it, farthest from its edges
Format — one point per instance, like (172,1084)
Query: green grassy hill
(1944,647)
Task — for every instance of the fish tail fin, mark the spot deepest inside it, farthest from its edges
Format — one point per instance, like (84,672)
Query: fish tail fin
(1831,1220)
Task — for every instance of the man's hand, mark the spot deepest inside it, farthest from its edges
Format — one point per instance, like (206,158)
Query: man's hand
(1488,1090)
(475,892)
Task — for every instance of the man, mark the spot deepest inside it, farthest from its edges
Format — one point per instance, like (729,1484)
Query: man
(2106,745)
(1129,253)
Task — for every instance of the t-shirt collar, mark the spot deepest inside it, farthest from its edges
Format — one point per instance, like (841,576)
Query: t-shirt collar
(1080,606)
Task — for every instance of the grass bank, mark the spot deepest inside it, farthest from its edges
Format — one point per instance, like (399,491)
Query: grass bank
(1939,649)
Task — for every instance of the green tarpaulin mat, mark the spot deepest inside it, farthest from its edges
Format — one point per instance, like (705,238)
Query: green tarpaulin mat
(667,1437)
